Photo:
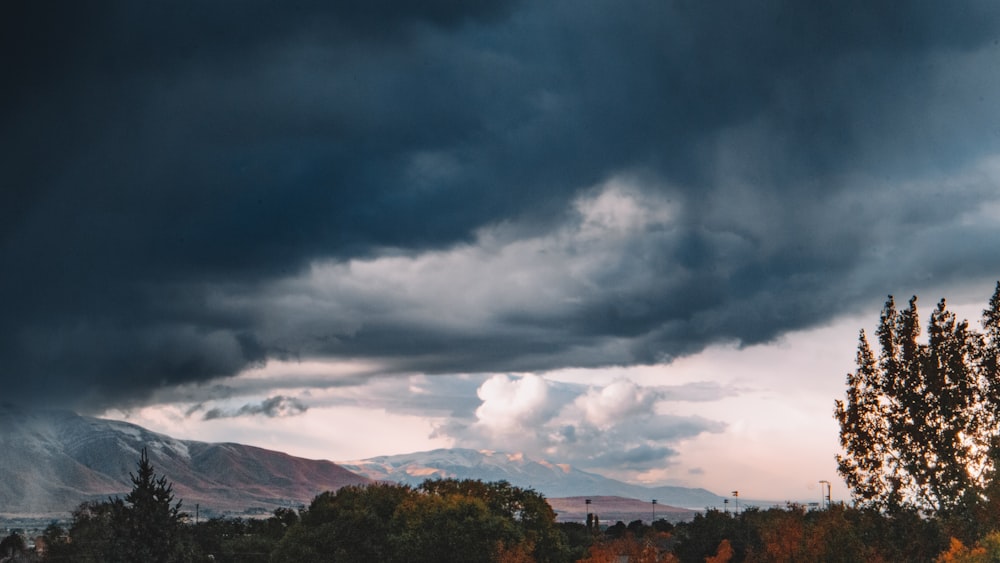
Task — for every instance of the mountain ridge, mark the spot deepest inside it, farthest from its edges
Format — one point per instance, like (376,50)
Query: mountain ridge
(554,480)
(54,460)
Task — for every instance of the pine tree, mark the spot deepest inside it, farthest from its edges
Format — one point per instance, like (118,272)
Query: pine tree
(148,525)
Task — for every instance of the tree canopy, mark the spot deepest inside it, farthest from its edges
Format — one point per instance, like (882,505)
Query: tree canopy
(471,521)
(920,420)
(442,520)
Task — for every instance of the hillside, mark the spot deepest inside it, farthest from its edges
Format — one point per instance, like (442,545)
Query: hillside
(53,460)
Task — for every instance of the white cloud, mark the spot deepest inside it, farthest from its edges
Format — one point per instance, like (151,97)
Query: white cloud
(614,428)
(617,401)
(513,405)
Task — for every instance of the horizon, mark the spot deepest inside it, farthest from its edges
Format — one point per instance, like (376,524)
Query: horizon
(636,238)
(387,468)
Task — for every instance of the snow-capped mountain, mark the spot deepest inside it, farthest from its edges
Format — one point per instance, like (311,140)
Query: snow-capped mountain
(551,479)
(53,460)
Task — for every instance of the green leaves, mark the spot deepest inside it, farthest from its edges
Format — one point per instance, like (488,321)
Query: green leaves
(441,521)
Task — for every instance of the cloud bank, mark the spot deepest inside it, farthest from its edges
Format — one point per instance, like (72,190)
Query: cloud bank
(620,428)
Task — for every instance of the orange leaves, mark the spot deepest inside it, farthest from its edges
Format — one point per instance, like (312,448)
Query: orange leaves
(635,549)
(723,555)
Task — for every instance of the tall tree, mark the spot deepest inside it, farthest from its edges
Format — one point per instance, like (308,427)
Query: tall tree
(149,524)
(144,526)
(918,422)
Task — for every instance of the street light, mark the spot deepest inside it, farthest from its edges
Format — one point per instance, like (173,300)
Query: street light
(821,497)
(736,495)
(654,510)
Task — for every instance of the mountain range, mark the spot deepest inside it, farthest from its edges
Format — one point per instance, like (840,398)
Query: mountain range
(54,460)
(551,479)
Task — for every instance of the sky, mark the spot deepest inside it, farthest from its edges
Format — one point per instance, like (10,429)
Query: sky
(639,237)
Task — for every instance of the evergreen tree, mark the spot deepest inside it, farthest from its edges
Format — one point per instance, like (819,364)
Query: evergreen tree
(144,526)
(148,524)
(918,422)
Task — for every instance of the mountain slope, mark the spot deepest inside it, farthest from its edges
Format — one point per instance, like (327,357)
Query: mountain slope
(53,460)
(550,479)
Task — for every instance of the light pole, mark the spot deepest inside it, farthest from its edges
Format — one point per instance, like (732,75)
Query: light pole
(654,510)
(821,495)
(736,495)
(725,505)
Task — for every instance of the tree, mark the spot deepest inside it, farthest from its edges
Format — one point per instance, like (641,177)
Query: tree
(90,538)
(919,420)
(54,546)
(12,547)
(632,549)
(148,524)
(441,521)
(527,510)
(700,538)
(723,554)
(577,538)
(452,528)
(238,540)
(987,551)
(351,524)
(144,526)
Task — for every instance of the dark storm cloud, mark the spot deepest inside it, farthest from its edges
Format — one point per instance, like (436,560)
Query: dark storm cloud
(163,161)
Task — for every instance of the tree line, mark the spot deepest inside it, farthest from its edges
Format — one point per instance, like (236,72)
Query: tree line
(444,521)
(472,521)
